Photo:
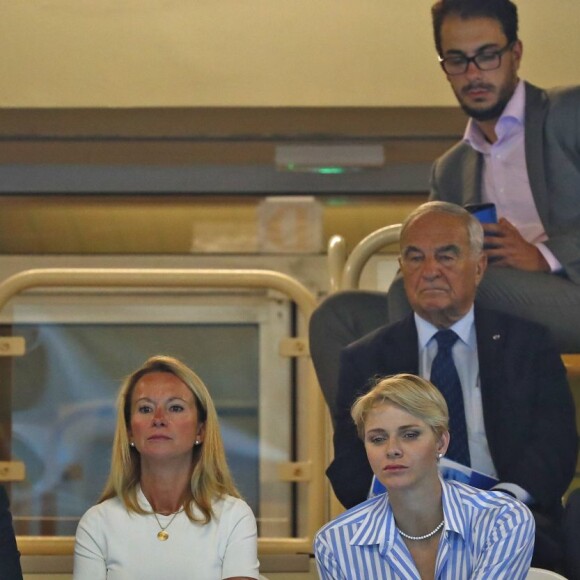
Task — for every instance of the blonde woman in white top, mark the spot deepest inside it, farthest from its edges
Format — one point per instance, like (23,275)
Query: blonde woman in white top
(170,508)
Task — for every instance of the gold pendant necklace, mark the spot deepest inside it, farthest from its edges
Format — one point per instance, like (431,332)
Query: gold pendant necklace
(162,534)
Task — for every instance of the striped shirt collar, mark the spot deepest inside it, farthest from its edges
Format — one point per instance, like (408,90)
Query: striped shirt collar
(379,527)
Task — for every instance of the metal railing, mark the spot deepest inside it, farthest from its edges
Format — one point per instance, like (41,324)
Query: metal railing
(309,469)
(345,271)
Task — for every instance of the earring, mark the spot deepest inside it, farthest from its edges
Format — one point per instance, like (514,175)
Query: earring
(439,456)
(132,444)
(197,441)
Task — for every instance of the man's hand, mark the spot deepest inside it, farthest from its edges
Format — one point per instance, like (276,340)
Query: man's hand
(504,246)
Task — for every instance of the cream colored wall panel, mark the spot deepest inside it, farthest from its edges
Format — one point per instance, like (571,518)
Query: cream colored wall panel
(125,53)
(549,30)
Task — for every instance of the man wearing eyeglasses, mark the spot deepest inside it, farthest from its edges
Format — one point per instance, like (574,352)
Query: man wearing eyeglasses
(520,151)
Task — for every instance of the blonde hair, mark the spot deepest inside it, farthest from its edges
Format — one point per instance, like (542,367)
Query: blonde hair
(210,477)
(411,393)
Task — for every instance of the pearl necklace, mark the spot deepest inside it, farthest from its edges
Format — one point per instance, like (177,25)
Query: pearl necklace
(414,538)
(162,535)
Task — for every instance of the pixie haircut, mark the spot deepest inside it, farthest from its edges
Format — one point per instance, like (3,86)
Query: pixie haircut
(415,395)
(472,224)
(210,477)
(504,11)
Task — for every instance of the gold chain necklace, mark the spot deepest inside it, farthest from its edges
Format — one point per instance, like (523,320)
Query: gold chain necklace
(162,534)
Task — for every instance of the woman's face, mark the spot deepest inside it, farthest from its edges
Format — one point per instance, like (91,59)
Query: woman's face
(401,448)
(164,420)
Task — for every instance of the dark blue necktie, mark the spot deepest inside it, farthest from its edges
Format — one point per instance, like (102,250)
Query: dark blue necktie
(444,376)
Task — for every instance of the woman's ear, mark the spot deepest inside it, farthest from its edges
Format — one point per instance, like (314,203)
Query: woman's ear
(200,435)
(443,442)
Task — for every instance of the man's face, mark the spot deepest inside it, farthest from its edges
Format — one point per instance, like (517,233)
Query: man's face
(483,95)
(440,272)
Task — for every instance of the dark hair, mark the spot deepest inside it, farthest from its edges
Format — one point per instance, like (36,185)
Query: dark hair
(504,11)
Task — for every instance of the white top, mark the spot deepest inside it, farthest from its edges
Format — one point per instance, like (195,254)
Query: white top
(114,544)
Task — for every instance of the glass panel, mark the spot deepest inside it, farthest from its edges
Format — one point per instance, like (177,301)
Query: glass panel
(64,391)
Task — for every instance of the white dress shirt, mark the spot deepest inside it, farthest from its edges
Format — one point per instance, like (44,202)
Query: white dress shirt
(464,353)
(505,180)
(465,357)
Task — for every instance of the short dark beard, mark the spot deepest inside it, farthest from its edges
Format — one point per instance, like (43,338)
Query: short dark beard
(493,112)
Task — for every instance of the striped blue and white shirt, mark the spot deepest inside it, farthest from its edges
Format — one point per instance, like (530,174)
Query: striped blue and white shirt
(487,535)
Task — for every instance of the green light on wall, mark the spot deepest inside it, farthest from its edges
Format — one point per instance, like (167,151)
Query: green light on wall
(330,170)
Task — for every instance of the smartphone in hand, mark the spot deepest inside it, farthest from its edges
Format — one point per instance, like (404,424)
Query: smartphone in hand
(484,212)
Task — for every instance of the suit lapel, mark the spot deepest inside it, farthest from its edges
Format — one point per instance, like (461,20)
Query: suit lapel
(535,114)
(471,176)
(399,358)
(490,348)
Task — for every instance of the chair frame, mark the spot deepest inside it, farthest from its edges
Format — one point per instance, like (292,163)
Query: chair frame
(345,270)
(311,467)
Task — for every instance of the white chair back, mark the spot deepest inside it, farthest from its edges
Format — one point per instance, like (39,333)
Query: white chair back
(541,574)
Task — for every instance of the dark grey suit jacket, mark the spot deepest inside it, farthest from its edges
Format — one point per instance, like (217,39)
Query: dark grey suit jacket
(9,557)
(528,410)
(552,143)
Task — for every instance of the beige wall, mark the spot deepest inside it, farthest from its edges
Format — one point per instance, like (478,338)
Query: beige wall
(193,53)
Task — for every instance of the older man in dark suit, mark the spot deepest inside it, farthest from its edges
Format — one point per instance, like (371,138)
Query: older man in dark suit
(9,555)
(517,411)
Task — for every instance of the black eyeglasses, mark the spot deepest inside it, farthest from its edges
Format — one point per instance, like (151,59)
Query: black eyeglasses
(485,60)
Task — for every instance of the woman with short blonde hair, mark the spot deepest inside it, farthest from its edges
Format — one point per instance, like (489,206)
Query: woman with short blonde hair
(423,527)
(413,394)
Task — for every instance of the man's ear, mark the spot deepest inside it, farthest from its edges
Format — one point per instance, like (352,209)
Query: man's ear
(480,267)
(518,51)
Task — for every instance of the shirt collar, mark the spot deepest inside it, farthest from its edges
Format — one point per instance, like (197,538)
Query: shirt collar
(453,509)
(463,328)
(511,119)
(379,527)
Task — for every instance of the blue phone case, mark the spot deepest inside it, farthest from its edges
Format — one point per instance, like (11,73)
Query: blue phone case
(484,212)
